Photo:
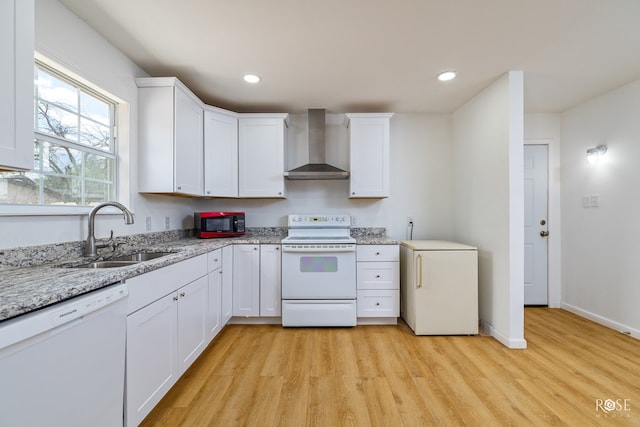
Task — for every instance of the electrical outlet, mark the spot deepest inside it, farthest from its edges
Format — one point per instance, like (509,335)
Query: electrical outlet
(167,222)
(148,226)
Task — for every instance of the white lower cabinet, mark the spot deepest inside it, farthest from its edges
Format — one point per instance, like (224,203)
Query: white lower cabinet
(378,281)
(191,303)
(270,281)
(257,280)
(214,294)
(151,352)
(246,280)
(166,331)
(227,284)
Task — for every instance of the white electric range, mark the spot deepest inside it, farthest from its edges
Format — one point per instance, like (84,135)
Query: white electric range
(319,271)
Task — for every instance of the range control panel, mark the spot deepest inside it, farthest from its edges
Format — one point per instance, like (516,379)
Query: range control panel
(319,220)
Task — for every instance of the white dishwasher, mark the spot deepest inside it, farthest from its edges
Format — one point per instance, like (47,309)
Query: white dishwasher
(64,365)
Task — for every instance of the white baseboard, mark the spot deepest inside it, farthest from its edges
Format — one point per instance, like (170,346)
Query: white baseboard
(513,343)
(377,320)
(240,320)
(627,330)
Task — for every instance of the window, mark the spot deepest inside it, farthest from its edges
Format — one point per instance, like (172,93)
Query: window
(74,147)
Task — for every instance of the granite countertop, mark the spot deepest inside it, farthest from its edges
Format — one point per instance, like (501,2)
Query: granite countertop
(30,281)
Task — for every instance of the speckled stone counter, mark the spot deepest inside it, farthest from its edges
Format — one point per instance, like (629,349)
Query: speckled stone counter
(39,276)
(372,236)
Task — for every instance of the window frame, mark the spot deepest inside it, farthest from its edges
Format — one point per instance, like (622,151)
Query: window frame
(120,137)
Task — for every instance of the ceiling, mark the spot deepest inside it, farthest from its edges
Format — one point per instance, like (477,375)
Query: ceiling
(375,55)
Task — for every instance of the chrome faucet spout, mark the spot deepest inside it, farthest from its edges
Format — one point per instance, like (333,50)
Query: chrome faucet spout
(89,247)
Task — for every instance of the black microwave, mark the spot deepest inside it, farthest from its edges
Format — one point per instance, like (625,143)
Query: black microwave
(218,224)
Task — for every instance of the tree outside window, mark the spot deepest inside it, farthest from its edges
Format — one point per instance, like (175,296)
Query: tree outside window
(74,146)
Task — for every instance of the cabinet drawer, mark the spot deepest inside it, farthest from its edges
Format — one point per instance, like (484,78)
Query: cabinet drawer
(378,303)
(378,275)
(214,260)
(378,253)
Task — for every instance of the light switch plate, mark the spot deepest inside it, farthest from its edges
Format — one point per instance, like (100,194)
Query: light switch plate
(586,201)
(595,200)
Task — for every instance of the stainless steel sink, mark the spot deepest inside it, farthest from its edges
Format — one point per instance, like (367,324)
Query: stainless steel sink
(105,264)
(121,261)
(140,256)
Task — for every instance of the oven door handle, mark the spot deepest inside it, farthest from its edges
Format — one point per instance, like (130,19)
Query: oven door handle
(308,249)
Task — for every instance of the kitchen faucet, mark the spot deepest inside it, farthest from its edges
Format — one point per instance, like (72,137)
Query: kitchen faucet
(89,247)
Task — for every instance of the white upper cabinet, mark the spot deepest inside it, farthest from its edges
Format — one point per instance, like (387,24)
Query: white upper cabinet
(369,157)
(261,155)
(220,153)
(171,137)
(16,84)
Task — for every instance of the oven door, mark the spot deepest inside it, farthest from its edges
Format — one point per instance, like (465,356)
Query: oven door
(318,273)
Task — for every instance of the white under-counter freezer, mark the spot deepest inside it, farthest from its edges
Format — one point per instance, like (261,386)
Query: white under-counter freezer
(439,287)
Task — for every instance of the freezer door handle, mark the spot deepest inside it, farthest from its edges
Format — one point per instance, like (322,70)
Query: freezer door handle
(419,260)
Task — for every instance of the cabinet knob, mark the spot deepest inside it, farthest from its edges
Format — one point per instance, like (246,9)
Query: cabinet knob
(378,304)
(179,188)
(215,260)
(353,193)
(377,276)
(175,298)
(182,294)
(377,253)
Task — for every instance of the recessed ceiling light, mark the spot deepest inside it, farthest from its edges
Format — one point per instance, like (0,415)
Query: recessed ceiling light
(445,76)
(252,78)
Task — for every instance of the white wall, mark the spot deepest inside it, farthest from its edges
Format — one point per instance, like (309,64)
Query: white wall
(67,40)
(420,159)
(420,181)
(488,201)
(601,245)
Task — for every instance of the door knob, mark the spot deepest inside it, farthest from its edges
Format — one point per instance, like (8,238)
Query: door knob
(544,233)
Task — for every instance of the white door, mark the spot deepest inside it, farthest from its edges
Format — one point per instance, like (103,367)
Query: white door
(535,224)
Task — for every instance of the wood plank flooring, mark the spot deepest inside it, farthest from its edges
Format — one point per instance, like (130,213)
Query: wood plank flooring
(266,375)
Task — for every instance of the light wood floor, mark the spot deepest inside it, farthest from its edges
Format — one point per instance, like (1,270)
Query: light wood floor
(261,375)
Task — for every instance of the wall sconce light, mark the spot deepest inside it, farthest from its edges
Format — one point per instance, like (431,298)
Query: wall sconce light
(593,154)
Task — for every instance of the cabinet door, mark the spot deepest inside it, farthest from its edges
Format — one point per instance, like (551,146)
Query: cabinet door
(270,281)
(227,283)
(16,84)
(151,357)
(192,312)
(246,280)
(261,157)
(189,147)
(369,141)
(214,305)
(220,154)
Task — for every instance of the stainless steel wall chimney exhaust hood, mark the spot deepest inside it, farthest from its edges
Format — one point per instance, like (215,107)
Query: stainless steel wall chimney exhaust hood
(317,168)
